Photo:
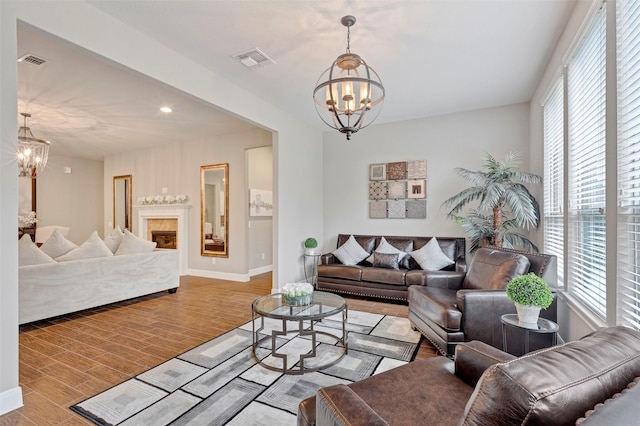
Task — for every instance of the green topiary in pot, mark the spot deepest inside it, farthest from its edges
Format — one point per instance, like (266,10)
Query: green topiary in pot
(530,290)
(310,245)
(530,293)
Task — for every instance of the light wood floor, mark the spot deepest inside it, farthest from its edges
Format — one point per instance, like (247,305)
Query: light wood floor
(68,359)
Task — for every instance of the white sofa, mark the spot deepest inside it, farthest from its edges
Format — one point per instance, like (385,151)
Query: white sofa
(53,289)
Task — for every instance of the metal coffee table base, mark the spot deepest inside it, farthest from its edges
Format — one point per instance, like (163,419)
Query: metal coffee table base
(300,368)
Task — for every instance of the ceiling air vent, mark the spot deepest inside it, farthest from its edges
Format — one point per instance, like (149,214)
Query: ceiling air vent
(253,58)
(32,60)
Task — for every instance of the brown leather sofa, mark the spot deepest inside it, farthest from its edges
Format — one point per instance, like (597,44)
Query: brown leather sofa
(366,280)
(468,306)
(484,386)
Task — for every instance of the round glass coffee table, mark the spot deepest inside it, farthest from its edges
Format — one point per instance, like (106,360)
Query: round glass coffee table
(322,305)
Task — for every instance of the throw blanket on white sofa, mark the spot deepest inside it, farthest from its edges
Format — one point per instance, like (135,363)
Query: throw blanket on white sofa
(53,289)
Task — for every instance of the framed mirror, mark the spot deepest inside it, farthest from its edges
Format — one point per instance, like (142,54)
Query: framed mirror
(122,202)
(214,210)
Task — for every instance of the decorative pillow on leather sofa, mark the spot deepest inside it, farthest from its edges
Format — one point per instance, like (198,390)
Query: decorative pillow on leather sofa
(385,247)
(430,257)
(350,253)
(386,260)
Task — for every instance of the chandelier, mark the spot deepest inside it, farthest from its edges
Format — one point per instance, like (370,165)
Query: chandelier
(349,94)
(32,152)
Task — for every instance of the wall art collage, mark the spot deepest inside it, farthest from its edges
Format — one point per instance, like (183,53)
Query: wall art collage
(398,190)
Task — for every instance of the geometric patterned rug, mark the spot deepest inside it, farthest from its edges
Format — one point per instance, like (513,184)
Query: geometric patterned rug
(220,383)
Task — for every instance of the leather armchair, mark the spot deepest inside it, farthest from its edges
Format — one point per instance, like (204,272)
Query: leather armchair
(467,306)
(593,378)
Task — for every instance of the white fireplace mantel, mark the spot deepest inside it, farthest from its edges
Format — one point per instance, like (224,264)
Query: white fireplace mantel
(168,211)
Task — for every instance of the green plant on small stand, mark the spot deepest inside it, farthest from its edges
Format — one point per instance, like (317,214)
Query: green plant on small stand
(310,245)
(530,294)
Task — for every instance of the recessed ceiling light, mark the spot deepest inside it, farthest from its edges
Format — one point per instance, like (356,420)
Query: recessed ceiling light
(165,109)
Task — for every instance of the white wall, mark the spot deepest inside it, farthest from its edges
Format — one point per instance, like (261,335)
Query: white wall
(75,200)
(177,168)
(260,228)
(574,321)
(297,160)
(445,142)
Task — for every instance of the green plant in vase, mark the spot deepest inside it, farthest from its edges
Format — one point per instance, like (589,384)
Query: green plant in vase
(530,293)
(310,245)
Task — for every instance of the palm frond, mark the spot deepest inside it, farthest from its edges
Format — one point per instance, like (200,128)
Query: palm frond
(477,178)
(526,177)
(519,201)
(463,198)
(519,241)
(493,193)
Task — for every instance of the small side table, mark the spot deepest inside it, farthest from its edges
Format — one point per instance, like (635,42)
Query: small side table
(312,277)
(544,326)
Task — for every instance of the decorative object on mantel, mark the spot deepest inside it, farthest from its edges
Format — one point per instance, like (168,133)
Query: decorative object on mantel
(349,94)
(530,293)
(32,152)
(162,199)
(397,190)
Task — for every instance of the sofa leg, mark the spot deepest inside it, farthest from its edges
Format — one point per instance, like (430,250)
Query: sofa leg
(172,290)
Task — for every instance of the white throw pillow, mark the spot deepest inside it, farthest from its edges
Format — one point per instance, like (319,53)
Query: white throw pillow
(57,245)
(386,248)
(93,248)
(351,253)
(430,257)
(114,239)
(30,254)
(131,244)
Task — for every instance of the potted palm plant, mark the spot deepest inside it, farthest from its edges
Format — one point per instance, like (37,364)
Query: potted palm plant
(310,245)
(504,204)
(530,293)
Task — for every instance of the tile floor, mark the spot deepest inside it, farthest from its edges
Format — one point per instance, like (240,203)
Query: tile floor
(67,359)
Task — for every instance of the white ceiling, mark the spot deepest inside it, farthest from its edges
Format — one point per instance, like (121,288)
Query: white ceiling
(434,57)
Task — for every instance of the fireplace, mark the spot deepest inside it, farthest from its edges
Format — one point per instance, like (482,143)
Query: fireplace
(165,239)
(170,222)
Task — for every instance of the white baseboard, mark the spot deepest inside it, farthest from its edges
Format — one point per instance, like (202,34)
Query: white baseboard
(10,400)
(260,270)
(219,275)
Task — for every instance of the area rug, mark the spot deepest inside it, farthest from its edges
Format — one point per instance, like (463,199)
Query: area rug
(220,383)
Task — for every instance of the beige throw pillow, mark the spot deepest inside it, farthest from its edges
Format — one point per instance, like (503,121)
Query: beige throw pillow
(93,248)
(131,244)
(30,254)
(114,239)
(351,253)
(430,257)
(57,245)
(386,247)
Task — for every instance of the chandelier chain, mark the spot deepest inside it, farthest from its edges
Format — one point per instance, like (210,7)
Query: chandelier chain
(349,39)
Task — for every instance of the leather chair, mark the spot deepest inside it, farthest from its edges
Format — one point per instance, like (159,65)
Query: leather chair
(468,306)
(559,386)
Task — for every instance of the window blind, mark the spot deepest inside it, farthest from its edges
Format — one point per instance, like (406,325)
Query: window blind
(553,120)
(628,49)
(586,252)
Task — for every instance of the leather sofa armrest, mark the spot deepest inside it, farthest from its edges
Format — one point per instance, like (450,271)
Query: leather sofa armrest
(327,259)
(496,300)
(339,405)
(461,265)
(444,279)
(473,358)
